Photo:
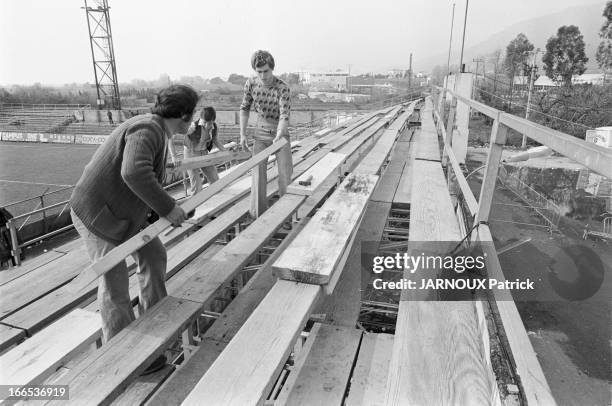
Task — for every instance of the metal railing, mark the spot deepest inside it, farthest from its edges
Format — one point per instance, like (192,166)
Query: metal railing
(42,107)
(46,208)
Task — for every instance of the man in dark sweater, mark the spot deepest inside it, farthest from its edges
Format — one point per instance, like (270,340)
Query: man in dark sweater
(119,187)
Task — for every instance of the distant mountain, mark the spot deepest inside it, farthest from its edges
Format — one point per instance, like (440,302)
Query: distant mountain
(588,19)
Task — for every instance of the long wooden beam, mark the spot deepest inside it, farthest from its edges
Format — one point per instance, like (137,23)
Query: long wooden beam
(120,252)
(213,159)
(429,365)
(532,379)
(312,257)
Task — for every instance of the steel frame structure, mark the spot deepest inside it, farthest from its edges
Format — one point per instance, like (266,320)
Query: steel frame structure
(102,54)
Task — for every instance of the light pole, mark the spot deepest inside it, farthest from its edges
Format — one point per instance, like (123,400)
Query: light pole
(450,42)
(533,66)
(467,2)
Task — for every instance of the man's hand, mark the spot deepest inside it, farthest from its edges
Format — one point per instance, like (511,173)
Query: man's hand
(243,142)
(277,138)
(176,216)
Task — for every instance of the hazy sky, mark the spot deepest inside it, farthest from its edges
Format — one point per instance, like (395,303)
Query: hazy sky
(46,41)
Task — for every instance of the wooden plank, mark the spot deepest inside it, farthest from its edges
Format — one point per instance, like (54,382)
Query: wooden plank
(328,166)
(141,388)
(236,254)
(370,375)
(361,145)
(313,256)
(324,376)
(37,357)
(465,188)
(128,353)
(178,279)
(387,186)
(403,194)
(33,285)
(261,347)
(259,201)
(342,307)
(498,139)
(428,365)
(431,214)
(10,336)
(212,159)
(28,266)
(427,147)
(119,253)
(533,381)
(450,155)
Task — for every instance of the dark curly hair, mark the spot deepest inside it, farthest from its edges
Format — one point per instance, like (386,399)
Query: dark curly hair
(176,101)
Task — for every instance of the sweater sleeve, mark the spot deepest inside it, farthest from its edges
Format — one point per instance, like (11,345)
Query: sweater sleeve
(137,169)
(247,99)
(284,103)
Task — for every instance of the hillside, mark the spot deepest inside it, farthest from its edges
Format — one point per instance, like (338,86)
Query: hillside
(588,19)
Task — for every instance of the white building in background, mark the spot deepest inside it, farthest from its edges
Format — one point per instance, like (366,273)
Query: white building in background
(596,79)
(589,78)
(332,81)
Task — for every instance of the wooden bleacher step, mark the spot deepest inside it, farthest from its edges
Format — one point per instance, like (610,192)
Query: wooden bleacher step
(281,314)
(321,374)
(127,354)
(39,356)
(367,385)
(330,229)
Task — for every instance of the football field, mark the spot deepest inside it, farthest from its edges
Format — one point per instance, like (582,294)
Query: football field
(29,169)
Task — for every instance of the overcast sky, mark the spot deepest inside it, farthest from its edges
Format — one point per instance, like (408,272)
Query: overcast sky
(47,41)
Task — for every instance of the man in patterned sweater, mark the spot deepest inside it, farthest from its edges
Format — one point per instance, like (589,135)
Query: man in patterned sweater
(270,97)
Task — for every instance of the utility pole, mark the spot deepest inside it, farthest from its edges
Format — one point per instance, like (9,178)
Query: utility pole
(467,2)
(450,42)
(533,68)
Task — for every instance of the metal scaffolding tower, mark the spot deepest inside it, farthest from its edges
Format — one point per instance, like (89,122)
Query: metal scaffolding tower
(102,53)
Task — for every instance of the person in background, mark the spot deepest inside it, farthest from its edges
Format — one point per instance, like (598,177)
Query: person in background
(109,114)
(199,140)
(270,97)
(112,200)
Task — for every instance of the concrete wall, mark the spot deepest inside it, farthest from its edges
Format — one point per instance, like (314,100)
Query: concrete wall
(463,86)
